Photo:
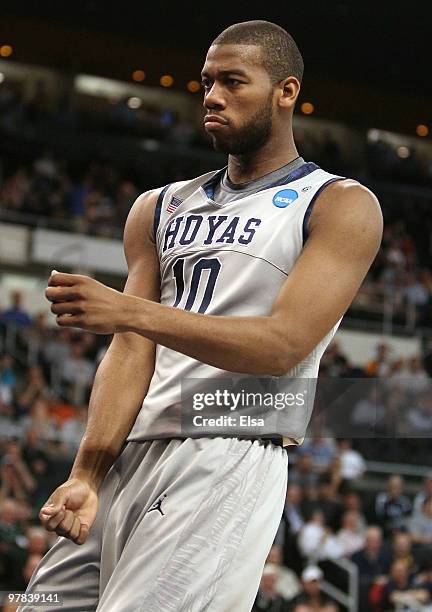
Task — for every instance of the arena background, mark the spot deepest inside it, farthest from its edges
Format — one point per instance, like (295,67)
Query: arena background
(99,103)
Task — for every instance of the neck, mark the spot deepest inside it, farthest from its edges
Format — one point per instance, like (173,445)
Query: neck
(277,152)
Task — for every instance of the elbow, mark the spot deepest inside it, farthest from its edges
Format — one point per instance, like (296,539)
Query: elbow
(283,350)
(284,361)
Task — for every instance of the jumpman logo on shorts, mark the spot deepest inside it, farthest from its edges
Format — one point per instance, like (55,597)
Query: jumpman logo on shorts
(157,505)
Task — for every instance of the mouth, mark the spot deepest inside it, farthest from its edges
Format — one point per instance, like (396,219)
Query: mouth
(214,122)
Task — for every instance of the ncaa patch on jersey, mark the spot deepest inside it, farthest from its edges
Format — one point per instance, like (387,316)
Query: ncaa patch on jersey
(283,198)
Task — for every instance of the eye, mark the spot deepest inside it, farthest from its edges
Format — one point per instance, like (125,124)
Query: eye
(205,84)
(233,82)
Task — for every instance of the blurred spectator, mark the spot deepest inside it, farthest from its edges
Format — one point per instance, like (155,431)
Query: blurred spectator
(392,507)
(352,463)
(268,597)
(326,502)
(37,336)
(303,473)
(292,523)
(15,314)
(57,347)
(420,525)
(316,540)
(334,362)
(11,543)
(77,372)
(287,584)
(312,595)
(369,411)
(419,415)
(353,502)
(423,494)
(322,451)
(402,590)
(16,479)
(33,388)
(373,563)
(380,365)
(351,535)
(9,427)
(9,529)
(292,513)
(402,550)
(40,421)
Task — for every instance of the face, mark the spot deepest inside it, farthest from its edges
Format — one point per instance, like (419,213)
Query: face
(238,98)
(350,521)
(373,540)
(311,587)
(352,501)
(395,485)
(402,544)
(293,495)
(399,571)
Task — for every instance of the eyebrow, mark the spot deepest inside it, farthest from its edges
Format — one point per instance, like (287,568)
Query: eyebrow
(237,71)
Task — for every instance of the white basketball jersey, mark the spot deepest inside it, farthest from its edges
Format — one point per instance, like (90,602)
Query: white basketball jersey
(227,260)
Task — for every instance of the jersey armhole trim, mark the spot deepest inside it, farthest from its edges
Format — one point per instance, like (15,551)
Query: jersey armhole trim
(158,210)
(311,205)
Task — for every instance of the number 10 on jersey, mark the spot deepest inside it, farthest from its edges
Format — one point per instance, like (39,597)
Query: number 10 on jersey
(212,265)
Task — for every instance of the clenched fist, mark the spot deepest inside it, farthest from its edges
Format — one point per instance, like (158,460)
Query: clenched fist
(81,301)
(71,510)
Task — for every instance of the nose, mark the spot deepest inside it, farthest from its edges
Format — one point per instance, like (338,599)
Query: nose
(213,98)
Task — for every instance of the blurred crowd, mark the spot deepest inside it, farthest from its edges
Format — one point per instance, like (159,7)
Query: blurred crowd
(327,520)
(96,200)
(330,514)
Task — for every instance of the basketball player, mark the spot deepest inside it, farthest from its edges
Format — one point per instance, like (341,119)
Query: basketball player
(243,271)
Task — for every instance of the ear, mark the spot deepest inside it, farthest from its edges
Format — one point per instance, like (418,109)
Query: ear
(289,91)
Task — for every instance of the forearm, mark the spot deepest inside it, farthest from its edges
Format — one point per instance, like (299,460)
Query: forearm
(252,345)
(120,385)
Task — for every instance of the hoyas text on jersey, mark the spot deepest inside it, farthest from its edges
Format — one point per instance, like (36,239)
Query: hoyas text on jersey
(209,230)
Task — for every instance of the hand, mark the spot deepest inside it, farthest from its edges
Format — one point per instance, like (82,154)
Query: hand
(71,510)
(80,301)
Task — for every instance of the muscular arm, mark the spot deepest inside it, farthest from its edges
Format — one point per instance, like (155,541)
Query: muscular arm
(344,236)
(124,374)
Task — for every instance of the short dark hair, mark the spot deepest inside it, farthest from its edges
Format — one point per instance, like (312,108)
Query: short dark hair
(280,54)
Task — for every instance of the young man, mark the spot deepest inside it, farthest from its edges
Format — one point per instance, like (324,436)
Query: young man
(245,271)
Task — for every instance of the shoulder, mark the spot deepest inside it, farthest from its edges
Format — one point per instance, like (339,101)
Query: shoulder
(348,198)
(141,216)
(348,208)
